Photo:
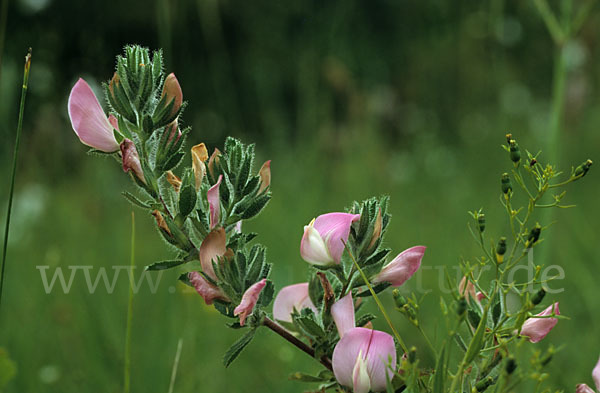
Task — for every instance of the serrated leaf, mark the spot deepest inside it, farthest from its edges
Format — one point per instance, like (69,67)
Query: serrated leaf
(234,351)
(164,265)
(187,200)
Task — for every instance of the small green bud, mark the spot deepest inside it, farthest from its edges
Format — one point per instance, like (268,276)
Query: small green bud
(501,249)
(538,297)
(481,222)
(508,138)
(412,355)
(461,306)
(506,186)
(485,383)
(398,298)
(515,152)
(532,162)
(547,357)
(511,365)
(582,169)
(534,235)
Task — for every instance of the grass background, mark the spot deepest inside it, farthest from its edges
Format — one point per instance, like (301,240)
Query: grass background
(348,100)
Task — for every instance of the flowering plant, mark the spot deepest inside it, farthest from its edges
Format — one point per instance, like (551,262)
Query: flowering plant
(200,210)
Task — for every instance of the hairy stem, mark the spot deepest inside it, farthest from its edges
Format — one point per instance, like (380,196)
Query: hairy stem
(324,360)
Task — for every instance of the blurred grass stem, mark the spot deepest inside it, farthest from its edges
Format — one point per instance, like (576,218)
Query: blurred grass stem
(127,366)
(14,167)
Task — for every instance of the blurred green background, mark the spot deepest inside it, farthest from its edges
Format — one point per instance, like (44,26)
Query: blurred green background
(348,99)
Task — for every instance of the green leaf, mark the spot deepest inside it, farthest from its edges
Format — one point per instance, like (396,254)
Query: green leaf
(323,376)
(234,351)
(364,319)
(440,372)
(187,200)
(477,340)
(164,265)
(135,200)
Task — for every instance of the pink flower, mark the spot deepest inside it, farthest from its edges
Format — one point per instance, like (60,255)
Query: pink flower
(402,267)
(290,298)
(265,176)
(249,300)
(322,240)
(131,159)
(89,120)
(583,388)
(214,203)
(537,328)
(213,246)
(363,359)
(342,312)
(208,291)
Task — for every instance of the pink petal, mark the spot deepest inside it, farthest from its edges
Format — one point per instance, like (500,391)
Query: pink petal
(596,375)
(342,312)
(335,227)
(214,203)
(469,291)
(208,291)
(113,121)
(377,348)
(131,159)
(583,388)
(382,353)
(480,296)
(265,176)
(213,246)
(249,300)
(89,120)
(537,328)
(402,267)
(290,298)
(313,248)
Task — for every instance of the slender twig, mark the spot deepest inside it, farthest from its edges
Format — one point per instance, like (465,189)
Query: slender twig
(175,365)
(295,341)
(127,369)
(14,167)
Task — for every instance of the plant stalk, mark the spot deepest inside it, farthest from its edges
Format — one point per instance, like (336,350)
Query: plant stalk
(14,167)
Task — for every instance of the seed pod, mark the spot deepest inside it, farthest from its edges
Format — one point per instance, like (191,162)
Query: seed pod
(511,365)
(461,306)
(582,169)
(399,300)
(506,186)
(481,222)
(515,152)
(501,249)
(538,297)
(482,385)
(534,235)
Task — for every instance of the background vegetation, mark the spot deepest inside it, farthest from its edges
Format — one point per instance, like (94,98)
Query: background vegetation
(349,99)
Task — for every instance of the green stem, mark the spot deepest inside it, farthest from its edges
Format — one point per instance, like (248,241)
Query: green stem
(379,304)
(127,370)
(14,167)
(3,16)
(175,365)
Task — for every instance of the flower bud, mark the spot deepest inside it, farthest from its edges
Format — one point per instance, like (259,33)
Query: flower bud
(481,222)
(249,299)
(172,91)
(537,328)
(511,365)
(532,162)
(515,152)
(131,159)
(538,297)
(265,176)
(199,155)
(461,306)
(485,383)
(506,186)
(399,300)
(582,169)
(412,355)
(212,161)
(377,228)
(323,240)
(501,249)
(508,138)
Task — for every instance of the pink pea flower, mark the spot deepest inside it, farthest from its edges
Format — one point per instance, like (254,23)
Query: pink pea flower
(322,240)
(364,359)
(342,312)
(214,202)
(583,388)
(131,159)
(402,267)
(537,328)
(290,298)
(208,291)
(249,300)
(213,246)
(89,121)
